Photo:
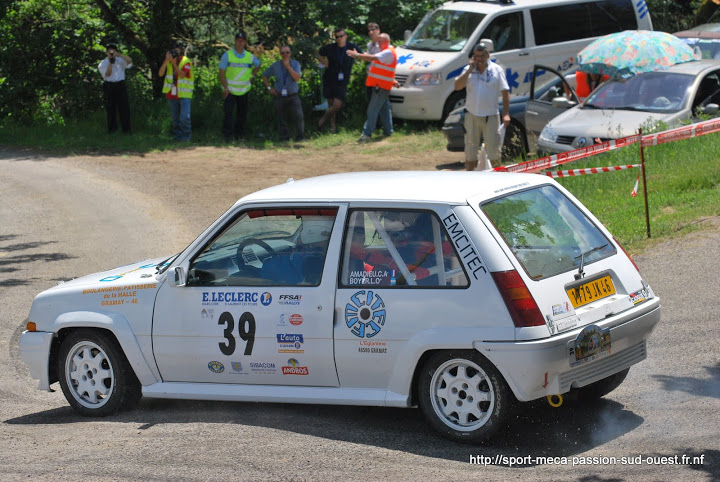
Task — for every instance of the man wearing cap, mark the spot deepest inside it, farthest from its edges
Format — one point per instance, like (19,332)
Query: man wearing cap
(485,81)
(237,69)
(178,88)
(112,68)
(381,78)
(285,90)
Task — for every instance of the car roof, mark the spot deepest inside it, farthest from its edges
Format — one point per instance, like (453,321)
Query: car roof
(451,187)
(489,6)
(694,67)
(706,30)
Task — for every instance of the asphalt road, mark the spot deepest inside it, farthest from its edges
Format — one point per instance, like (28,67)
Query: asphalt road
(60,219)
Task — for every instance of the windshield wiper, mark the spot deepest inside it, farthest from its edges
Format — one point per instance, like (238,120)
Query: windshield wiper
(592,106)
(581,273)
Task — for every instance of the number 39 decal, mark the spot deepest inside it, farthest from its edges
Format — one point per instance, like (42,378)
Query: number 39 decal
(246,333)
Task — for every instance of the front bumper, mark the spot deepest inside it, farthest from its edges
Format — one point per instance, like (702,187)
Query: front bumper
(35,352)
(539,368)
(418,103)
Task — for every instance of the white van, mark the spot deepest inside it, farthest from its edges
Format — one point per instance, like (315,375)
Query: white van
(523,33)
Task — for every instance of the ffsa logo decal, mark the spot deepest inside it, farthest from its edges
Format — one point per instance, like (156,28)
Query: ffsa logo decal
(365,314)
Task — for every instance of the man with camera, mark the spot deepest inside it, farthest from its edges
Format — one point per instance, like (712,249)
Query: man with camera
(178,88)
(112,68)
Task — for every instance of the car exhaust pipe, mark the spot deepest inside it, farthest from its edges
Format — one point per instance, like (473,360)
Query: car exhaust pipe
(555,400)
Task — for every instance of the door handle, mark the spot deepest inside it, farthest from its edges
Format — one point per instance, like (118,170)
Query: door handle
(523,54)
(531,112)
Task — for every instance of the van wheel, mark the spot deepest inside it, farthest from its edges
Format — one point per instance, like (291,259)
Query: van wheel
(454,101)
(463,396)
(95,376)
(602,387)
(515,144)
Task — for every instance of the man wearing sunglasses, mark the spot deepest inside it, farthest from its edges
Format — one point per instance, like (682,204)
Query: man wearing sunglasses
(286,73)
(336,76)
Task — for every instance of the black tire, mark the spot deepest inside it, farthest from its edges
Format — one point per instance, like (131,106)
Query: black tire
(515,144)
(455,100)
(95,376)
(466,380)
(602,387)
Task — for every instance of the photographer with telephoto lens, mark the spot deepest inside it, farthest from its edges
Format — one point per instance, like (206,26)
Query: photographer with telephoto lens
(178,88)
(112,68)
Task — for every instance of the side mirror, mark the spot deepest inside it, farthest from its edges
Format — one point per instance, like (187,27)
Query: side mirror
(489,44)
(180,278)
(710,109)
(560,102)
(408,33)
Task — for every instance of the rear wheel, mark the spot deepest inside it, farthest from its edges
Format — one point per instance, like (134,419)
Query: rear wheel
(454,101)
(463,396)
(602,387)
(95,376)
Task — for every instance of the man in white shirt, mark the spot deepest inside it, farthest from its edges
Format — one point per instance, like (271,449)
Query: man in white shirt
(484,81)
(112,68)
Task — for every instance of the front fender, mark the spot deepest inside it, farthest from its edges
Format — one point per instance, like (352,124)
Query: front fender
(119,326)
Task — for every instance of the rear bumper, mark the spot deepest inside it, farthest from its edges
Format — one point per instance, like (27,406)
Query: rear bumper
(539,368)
(35,352)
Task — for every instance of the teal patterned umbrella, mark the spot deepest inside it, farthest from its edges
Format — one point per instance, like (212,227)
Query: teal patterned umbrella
(624,54)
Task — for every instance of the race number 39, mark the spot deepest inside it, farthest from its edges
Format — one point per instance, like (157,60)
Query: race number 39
(246,332)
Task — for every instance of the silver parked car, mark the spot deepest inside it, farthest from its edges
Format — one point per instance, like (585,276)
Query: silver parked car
(618,108)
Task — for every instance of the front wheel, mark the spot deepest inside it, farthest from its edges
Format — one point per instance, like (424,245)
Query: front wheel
(95,376)
(463,396)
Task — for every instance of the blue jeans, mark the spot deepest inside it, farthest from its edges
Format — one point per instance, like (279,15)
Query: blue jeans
(379,106)
(180,116)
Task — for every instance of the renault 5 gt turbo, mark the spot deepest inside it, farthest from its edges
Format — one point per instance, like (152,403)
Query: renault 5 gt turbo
(463,293)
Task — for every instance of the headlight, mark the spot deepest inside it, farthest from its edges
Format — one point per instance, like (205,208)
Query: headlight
(427,79)
(548,135)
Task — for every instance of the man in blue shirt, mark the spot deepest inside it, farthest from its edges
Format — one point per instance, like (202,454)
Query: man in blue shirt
(286,73)
(237,69)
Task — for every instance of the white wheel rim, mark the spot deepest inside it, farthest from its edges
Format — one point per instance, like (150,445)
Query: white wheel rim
(89,374)
(462,395)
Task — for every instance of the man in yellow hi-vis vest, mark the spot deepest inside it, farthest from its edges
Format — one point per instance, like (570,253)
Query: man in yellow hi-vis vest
(237,69)
(178,88)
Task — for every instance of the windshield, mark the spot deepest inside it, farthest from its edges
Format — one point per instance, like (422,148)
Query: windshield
(649,92)
(444,31)
(547,233)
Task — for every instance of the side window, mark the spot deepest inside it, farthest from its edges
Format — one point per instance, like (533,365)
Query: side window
(267,247)
(399,248)
(708,92)
(506,32)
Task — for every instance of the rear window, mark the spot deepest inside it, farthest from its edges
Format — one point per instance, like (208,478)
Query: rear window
(582,20)
(547,233)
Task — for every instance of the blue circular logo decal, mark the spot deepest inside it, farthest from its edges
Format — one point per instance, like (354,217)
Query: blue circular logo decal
(216,367)
(266,299)
(365,314)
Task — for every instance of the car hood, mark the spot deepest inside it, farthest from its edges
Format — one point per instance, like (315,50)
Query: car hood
(605,124)
(134,273)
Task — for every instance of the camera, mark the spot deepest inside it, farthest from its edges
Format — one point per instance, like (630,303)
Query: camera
(174,54)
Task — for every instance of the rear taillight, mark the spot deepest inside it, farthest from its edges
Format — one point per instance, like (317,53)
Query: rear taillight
(626,254)
(520,303)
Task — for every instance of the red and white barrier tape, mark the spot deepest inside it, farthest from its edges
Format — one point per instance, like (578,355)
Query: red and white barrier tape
(672,135)
(589,170)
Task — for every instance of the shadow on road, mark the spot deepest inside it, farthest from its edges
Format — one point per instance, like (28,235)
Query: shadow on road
(535,429)
(706,387)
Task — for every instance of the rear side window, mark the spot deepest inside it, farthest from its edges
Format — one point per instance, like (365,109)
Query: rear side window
(582,20)
(399,248)
(546,232)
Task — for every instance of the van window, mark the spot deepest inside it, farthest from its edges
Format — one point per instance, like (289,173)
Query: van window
(506,31)
(546,232)
(582,20)
(394,248)
(444,31)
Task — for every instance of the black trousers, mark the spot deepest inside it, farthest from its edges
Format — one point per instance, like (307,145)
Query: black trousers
(117,102)
(290,104)
(232,103)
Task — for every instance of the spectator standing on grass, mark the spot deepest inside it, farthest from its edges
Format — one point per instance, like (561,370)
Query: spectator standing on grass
(286,92)
(484,82)
(336,77)
(112,68)
(237,69)
(381,78)
(178,88)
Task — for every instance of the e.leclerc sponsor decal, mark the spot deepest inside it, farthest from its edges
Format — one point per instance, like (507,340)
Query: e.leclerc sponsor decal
(294,368)
(235,298)
(266,299)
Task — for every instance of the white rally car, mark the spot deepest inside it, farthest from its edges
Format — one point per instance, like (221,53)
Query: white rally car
(462,293)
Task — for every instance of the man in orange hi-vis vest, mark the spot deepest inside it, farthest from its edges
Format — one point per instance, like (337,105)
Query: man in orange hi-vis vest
(381,78)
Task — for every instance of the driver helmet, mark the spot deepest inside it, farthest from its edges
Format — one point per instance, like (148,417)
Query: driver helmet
(316,229)
(399,224)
